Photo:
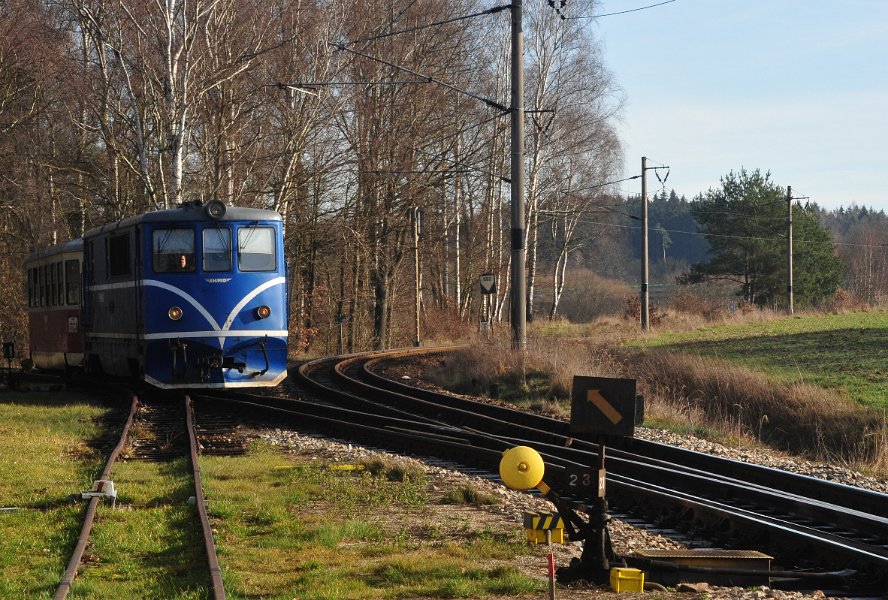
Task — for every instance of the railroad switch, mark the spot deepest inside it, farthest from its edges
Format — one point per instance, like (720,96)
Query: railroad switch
(522,468)
(598,557)
(102,488)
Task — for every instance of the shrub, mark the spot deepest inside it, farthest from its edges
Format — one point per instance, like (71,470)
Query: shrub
(711,309)
(633,312)
(844,301)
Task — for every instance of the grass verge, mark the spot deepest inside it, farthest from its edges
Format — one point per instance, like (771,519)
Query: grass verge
(45,455)
(287,526)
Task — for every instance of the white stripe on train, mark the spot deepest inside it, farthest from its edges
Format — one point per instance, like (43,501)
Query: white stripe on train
(218,332)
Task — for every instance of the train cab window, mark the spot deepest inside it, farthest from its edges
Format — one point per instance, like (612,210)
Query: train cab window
(72,281)
(217,249)
(256,249)
(173,250)
(119,255)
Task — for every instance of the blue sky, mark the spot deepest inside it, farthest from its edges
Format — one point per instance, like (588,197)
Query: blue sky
(795,87)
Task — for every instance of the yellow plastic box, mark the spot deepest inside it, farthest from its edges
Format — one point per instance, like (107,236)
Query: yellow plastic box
(627,580)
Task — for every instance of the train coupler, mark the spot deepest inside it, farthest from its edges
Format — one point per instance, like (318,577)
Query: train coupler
(217,361)
(229,363)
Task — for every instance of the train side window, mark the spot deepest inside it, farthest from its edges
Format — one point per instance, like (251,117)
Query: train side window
(41,286)
(119,255)
(173,250)
(60,278)
(31,287)
(52,284)
(256,249)
(55,284)
(217,249)
(72,281)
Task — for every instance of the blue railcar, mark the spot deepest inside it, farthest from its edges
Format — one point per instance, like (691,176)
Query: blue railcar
(194,297)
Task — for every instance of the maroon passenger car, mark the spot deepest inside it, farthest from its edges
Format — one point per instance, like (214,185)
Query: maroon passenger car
(54,305)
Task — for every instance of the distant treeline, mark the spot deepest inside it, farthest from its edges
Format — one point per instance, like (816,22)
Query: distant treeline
(676,242)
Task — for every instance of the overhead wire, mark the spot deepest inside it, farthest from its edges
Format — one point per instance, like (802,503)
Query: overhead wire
(489,11)
(430,79)
(623,12)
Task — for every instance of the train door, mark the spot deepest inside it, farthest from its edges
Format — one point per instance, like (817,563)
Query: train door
(138,302)
(88,277)
(125,284)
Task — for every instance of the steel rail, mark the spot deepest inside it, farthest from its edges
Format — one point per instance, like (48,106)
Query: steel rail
(89,517)
(871,554)
(852,549)
(373,429)
(217,586)
(846,496)
(483,450)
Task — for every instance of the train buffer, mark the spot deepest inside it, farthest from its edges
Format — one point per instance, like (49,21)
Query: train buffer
(102,488)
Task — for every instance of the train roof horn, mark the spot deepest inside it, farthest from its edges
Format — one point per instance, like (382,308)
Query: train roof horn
(215,209)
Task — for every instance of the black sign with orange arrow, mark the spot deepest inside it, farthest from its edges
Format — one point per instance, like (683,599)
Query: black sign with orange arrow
(603,406)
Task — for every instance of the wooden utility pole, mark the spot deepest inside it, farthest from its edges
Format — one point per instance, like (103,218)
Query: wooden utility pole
(645,325)
(789,299)
(416,217)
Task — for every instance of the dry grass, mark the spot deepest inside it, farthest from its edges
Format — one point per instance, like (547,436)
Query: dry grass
(799,418)
(706,397)
(493,361)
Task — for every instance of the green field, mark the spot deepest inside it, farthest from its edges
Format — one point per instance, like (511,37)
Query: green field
(845,352)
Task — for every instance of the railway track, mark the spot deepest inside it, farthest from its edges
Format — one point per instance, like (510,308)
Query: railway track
(166,431)
(823,535)
(831,534)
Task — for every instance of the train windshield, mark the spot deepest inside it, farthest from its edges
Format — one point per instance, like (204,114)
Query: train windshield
(255,249)
(217,249)
(173,250)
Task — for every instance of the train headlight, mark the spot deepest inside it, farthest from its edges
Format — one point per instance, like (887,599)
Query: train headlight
(174,313)
(263,312)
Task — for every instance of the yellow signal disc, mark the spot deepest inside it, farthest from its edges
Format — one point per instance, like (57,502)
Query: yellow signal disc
(522,468)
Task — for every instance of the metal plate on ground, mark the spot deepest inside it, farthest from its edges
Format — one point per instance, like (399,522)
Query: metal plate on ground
(703,554)
(728,567)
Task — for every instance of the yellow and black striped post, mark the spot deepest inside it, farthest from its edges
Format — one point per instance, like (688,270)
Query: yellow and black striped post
(536,525)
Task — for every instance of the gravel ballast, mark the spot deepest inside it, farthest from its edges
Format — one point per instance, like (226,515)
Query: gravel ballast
(508,511)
